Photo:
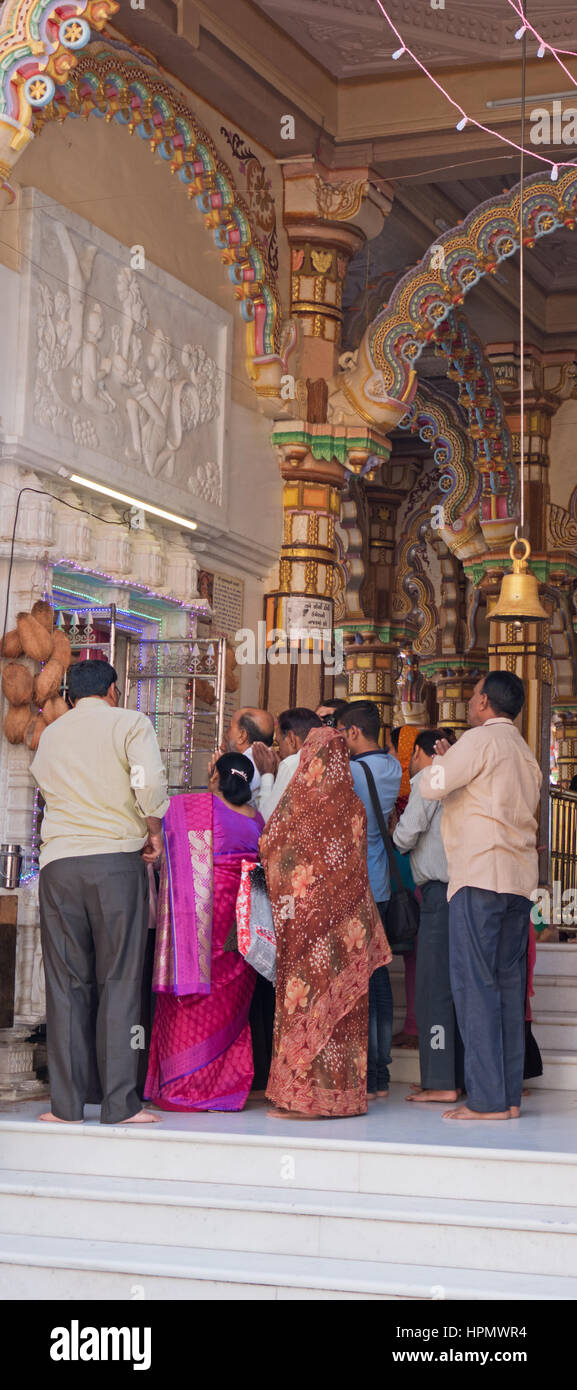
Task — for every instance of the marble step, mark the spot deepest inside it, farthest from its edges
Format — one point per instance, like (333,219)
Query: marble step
(559,1067)
(411,1154)
(337,1226)
(47,1268)
(557,958)
(559,1070)
(555,1031)
(555,994)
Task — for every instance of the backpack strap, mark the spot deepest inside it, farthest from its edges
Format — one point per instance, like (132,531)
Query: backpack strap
(397,884)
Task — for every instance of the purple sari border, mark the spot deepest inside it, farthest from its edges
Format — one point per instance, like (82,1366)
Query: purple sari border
(233,1100)
(171,986)
(184,942)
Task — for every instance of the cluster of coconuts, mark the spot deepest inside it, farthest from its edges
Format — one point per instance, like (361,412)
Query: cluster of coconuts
(34,636)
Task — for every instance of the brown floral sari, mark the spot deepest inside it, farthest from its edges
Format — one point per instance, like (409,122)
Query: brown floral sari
(330,937)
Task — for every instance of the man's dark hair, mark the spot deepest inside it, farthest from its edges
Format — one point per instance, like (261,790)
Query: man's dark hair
(449,734)
(364,715)
(395,735)
(90,678)
(235,774)
(252,731)
(427,739)
(505,693)
(299,722)
(336,707)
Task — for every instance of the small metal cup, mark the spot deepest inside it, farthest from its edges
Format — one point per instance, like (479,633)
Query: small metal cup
(11,858)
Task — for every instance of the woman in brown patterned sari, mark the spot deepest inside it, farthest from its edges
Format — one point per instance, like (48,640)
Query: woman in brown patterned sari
(330,937)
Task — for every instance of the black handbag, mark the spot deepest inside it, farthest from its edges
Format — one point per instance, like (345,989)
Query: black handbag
(402,916)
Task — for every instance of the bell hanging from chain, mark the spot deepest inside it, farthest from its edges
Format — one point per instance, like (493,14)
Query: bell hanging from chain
(519,601)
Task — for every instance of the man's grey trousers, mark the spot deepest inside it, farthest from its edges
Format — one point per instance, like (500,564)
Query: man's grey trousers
(94,921)
(488,939)
(440,1045)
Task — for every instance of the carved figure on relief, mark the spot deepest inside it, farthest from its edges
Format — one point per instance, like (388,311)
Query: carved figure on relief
(114,381)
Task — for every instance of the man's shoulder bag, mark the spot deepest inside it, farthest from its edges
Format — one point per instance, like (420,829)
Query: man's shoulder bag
(402,919)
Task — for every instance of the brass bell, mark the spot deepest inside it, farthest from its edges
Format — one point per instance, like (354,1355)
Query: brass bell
(519,601)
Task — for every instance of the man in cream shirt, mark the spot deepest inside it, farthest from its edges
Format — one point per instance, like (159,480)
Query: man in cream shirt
(489,783)
(100,773)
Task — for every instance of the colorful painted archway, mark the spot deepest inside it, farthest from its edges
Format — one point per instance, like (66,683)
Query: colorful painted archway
(427,295)
(44,79)
(425,308)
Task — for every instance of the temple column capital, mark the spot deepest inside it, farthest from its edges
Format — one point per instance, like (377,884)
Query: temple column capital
(328,215)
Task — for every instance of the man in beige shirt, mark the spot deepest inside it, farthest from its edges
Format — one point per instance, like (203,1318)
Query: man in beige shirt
(100,772)
(489,783)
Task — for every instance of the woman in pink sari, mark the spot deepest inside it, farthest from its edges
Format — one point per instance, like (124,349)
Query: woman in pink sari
(201,1050)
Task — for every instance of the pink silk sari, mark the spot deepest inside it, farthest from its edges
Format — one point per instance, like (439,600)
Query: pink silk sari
(201,1050)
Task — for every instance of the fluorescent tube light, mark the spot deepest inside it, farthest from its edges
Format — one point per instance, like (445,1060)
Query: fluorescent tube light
(134,502)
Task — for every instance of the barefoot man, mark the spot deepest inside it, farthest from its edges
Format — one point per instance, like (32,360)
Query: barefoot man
(100,772)
(489,783)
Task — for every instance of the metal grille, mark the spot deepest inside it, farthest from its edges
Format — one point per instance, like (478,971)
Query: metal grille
(564,843)
(80,626)
(180,685)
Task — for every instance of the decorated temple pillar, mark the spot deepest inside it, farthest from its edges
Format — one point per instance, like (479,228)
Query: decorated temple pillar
(455,686)
(300,670)
(371,652)
(332,428)
(565,719)
(328,215)
(548,380)
(371,668)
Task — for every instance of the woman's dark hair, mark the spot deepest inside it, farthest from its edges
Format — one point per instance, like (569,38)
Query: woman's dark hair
(235,774)
(90,678)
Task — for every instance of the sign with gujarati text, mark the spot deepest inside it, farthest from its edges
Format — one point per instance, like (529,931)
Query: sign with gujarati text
(308,614)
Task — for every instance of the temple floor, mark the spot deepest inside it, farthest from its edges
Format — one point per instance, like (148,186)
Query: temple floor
(548,1124)
(395,1205)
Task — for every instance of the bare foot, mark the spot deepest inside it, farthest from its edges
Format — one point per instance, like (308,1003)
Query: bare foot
(515,1110)
(464,1113)
(55,1119)
(422,1096)
(371,1095)
(143,1117)
(382,1095)
(257,1095)
(295,1115)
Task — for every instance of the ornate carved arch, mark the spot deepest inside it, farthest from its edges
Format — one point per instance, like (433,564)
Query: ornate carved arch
(424,298)
(414,593)
(437,422)
(112,82)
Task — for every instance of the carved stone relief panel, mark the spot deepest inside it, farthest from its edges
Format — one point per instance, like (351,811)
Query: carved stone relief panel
(126,370)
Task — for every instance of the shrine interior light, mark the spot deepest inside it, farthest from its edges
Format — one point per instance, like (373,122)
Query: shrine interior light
(134,502)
